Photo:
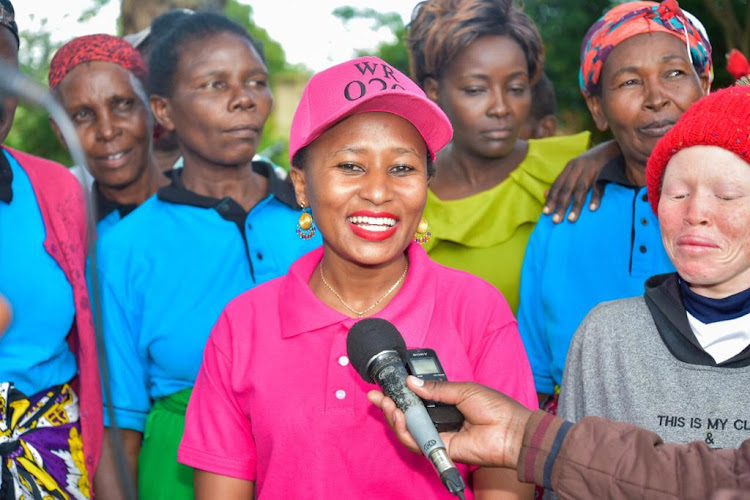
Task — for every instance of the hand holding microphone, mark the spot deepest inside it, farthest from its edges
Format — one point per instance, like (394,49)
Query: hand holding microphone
(493,428)
(378,352)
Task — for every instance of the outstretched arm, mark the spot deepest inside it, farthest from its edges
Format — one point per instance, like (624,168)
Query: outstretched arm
(493,427)
(595,458)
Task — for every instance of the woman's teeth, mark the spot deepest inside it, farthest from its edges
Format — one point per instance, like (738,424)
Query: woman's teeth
(372,223)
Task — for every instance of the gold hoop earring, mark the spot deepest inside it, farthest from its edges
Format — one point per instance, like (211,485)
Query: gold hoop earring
(306,225)
(423,233)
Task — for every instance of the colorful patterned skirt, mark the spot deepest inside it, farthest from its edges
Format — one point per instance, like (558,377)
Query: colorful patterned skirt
(40,445)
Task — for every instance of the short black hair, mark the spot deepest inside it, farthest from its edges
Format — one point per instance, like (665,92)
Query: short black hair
(164,22)
(165,56)
(160,26)
(300,160)
(543,99)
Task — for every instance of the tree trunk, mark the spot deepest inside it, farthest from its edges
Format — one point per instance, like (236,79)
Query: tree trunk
(138,14)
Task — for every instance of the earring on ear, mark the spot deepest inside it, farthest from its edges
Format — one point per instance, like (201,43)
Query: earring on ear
(305,225)
(423,233)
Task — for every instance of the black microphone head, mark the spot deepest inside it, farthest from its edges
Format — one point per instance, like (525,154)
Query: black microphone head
(370,337)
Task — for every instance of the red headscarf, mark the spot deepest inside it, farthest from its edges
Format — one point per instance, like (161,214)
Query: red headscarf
(89,48)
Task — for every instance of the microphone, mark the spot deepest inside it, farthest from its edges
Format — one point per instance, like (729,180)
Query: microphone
(377,351)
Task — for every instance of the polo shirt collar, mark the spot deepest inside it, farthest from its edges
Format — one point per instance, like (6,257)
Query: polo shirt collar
(410,310)
(6,179)
(105,206)
(176,192)
(614,172)
(664,299)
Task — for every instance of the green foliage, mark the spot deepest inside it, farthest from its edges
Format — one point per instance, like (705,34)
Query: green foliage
(93,10)
(393,52)
(274,53)
(563,24)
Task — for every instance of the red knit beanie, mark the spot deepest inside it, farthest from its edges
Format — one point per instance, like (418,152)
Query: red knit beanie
(720,119)
(89,48)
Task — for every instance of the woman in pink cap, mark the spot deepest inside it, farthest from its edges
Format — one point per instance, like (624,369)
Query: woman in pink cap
(276,410)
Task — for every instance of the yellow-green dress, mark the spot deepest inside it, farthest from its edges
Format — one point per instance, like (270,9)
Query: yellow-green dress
(486,233)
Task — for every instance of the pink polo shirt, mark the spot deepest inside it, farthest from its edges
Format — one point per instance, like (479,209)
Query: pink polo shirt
(276,401)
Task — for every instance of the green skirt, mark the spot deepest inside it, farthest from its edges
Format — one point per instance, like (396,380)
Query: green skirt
(160,477)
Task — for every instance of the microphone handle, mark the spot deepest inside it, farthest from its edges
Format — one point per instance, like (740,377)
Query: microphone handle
(390,374)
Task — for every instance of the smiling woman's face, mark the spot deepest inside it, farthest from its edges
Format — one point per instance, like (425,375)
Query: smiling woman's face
(366,182)
(111,120)
(704,216)
(647,83)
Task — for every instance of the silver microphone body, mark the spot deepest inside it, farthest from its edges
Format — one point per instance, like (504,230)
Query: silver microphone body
(388,371)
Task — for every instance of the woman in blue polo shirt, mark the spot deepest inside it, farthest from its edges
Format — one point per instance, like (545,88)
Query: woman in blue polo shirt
(50,399)
(642,66)
(225,224)
(98,80)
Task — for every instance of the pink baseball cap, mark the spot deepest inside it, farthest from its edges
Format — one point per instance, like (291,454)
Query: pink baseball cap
(364,85)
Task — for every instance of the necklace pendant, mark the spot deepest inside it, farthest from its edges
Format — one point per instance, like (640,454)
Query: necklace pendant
(361,314)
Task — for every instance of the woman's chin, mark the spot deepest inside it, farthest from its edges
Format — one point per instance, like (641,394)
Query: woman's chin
(368,253)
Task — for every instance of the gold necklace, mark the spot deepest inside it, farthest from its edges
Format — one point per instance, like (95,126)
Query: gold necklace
(362,313)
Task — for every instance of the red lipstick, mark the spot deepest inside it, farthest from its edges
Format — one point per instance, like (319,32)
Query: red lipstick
(373,226)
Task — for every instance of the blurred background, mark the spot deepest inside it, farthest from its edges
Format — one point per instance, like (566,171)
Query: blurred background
(304,36)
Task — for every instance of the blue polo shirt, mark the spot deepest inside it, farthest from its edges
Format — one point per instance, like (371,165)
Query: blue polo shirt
(166,273)
(571,267)
(34,352)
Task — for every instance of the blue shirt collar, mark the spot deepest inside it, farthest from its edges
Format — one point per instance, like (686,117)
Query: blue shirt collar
(177,193)
(614,172)
(105,206)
